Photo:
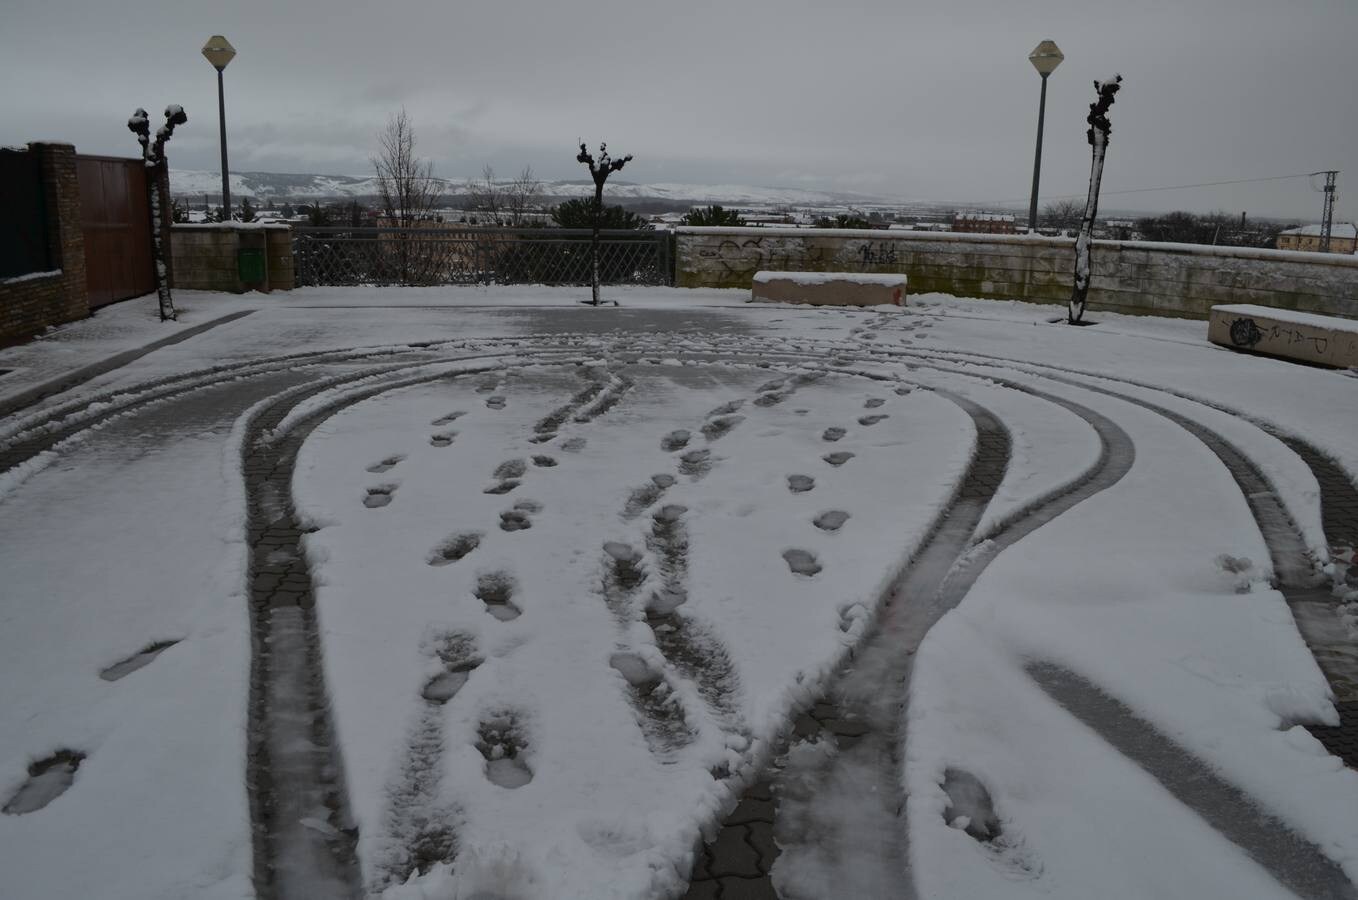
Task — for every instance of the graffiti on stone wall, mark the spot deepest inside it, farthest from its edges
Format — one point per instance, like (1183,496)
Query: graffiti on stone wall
(738,259)
(881,253)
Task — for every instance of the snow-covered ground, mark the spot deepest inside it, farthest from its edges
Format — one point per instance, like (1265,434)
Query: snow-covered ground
(575,570)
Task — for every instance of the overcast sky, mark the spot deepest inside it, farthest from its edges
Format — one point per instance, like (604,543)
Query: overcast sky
(917,100)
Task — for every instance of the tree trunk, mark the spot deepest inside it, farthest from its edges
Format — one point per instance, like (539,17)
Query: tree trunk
(594,240)
(1082,243)
(153,186)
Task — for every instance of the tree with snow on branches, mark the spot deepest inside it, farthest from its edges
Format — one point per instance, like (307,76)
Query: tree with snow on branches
(1099,129)
(157,177)
(600,169)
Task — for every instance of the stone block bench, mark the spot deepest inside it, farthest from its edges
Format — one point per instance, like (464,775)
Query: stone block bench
(829,288)
(1307,337)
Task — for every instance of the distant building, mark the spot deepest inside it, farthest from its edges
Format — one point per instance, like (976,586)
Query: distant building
(983,223)
(1119,229)
(1343,238)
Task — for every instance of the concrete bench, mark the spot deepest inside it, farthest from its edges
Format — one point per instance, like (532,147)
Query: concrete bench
(829,288)
(1325,340)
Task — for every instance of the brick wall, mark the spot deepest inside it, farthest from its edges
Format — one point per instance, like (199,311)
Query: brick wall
(1128,276)
(28,304)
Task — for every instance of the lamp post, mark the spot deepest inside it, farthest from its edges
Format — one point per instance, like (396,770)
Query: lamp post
(1045,58)
(219,52)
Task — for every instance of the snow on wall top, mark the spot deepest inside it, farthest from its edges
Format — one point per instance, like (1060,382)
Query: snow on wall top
(1290,316)
(232,226)
(1303,256)
(891,280)
(31,276)
(1339,230)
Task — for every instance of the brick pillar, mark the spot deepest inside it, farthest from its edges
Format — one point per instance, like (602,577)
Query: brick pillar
(65,237)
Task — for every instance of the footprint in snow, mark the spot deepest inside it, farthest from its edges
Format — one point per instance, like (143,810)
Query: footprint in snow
(800,484)
(833,434)
(455,548)
(458,654)
(801,562)
(385,465)
(831,520)
(514,520)
(442,439)
(695,462)
(496,591)
(544,462)
(726,408)
(502,742)
(675,440)
(448,419)
(718,428)
(510,468)
(873,402)
(496,402)
(47,780)
(873,420)
(141,658)
(379,496)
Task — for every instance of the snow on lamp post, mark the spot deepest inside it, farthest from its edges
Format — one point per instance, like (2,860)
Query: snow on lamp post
(157,176)
(1045,58)
(1099,129)
(600,169)
(219,52)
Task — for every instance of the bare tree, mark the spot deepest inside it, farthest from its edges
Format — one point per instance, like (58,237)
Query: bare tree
(406,186)
(522,195)
(600,169)
(1062,214)
(506,203)
(157,187)
(485,196)
(1099,129)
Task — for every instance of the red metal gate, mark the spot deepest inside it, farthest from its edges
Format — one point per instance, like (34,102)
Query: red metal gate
(115,217)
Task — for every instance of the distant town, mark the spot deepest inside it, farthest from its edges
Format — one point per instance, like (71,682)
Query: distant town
(525,202)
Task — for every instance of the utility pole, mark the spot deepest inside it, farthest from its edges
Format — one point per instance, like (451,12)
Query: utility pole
(1327,218)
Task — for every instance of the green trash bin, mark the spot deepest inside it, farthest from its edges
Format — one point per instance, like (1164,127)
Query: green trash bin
(250,265)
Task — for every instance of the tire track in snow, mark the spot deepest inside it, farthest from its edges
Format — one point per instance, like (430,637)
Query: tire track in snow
(305,839)
(866,719)
(1291,859)
(1312,605)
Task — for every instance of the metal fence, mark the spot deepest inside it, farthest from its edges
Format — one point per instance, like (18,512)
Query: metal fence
(451,255)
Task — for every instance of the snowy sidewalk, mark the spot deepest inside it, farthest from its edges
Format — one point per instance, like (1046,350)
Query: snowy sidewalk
(433,592)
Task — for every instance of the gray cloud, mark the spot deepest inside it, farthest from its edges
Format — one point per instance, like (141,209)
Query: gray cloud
(908,99)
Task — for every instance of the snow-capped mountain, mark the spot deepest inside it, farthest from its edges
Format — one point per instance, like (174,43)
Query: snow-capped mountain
(277,186)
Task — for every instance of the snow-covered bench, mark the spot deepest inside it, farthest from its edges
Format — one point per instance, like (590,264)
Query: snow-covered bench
(829,288)
(1307,337)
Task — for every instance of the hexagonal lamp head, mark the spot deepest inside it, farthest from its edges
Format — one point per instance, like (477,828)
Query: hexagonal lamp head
(219,52)
(1045,58)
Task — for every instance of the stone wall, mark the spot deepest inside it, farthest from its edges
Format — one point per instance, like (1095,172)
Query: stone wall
(206,257)
(1128,276)
(30,303)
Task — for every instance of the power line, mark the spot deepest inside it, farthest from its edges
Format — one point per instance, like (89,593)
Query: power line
(1170,187)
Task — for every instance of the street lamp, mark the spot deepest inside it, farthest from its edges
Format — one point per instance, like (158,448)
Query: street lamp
(219,52)
(1045,58)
